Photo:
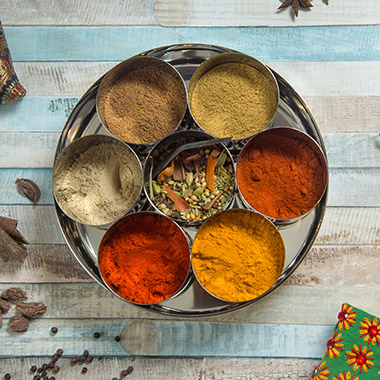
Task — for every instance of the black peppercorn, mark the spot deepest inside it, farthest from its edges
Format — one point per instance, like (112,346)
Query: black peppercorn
(33,368)
(84,370)
(52,378)
(74,360)
(117,338)
(39,370)
(96,335)
(59,352)
(85,353)
(44,367)
(7,376)
(54,330)
(126,372)
(56,369)
(44,373)
(37,377)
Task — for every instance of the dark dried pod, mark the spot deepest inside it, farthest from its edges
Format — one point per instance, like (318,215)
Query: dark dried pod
(1,318)
(4,305)
(31,309)
(29,189)
(19,323)
(14,295)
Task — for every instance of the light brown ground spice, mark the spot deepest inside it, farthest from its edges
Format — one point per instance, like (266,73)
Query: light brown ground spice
(233,99)
(144,105)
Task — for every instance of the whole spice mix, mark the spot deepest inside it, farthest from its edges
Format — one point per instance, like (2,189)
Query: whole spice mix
(233,99)
(237,255)
(280,176)
(196,185)
(143,104)
(144,258)
(98,180)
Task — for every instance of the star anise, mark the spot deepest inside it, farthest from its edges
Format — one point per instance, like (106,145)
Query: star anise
(296,4)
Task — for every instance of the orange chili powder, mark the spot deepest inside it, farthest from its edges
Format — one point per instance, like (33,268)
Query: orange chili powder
(280,176)
(144,258)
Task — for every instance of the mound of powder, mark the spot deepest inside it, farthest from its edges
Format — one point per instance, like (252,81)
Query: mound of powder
(99,185)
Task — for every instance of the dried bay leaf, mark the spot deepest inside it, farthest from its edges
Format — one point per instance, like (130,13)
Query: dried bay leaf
(29,189)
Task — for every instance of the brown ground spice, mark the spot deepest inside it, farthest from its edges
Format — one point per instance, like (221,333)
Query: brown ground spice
(144,105)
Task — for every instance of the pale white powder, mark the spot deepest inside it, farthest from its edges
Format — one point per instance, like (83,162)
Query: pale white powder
(100,185)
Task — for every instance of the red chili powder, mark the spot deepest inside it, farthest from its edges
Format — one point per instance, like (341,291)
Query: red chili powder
(144,258)
(280,177)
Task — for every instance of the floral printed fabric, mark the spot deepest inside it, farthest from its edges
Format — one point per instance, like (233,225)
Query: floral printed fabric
(10,87)
(353,352)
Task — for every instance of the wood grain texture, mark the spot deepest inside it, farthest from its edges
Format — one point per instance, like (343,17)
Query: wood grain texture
(332,43)
(257,13)
(357,266)
(332,113)
(341,225)
(170,368)
(289,304)
(347,187)
(87,12)
(45,263)
(37,150)
(165,339)
(307,78)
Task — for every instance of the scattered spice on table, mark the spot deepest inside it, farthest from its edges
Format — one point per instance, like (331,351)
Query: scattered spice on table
(117,339)
(237,255)
(126,372)
(96,335)
(12,243)
(97,180)
(203,188)
(144,258)
(19,323)
(143,105)
(54,330)
(280,176)
(30,189)
(298,4)
(31,309)
(233,99)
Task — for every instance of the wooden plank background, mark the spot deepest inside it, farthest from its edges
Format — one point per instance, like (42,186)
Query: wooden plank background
(330,55)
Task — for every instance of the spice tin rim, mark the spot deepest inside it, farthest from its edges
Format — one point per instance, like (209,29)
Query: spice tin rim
(189,276)
(232,57)
(274,228)
(316,149)
(174,135)
(72,150)
(119,68)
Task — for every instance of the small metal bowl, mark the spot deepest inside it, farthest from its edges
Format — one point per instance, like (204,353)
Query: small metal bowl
(252,224)
(169,144)
(141,220)
(237,58)
(297,136)
(175,90)
(68,157)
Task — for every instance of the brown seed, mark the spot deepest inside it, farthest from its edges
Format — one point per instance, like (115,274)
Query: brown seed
(14,295)
(56,369)
(126,372)
(29,189)
(4,305)
(84,370)
(19,323)
(74,361)
(59,352)
(31,309)
(85,353)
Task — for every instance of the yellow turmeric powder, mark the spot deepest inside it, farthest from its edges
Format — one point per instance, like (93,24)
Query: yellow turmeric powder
(237,255)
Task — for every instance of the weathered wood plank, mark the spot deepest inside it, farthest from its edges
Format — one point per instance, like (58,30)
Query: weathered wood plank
(55,263)
(45,263)
(166,339)
(257,13)
(348,187)
(37,150)
(71,12)
(308,78)
(289,304)
(343,43)
(170,368)
(341,225)
(332,113)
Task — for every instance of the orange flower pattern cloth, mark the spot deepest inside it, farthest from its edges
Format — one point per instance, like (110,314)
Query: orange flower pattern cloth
(353,352)
(10,87)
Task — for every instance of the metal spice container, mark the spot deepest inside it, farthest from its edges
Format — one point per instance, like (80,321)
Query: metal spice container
(233,94)
(141,100)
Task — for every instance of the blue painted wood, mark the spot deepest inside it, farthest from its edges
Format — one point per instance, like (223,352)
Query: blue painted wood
(172,339)
(321,43)
(348,187)
(36,114)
